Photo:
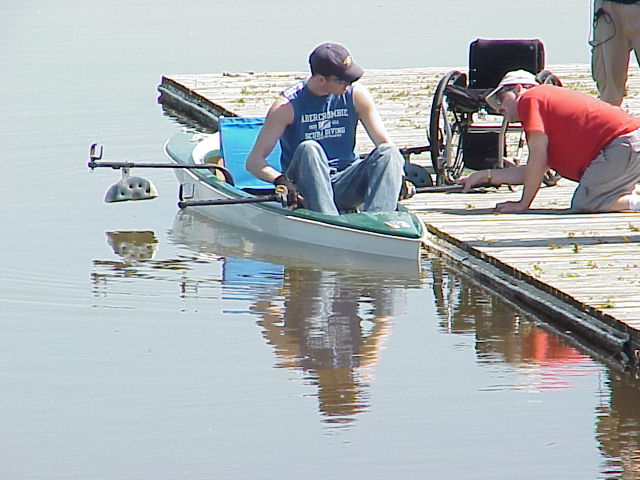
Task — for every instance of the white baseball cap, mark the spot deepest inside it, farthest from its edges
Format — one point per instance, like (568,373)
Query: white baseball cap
(516,77)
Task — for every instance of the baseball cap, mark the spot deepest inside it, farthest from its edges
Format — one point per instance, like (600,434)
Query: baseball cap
(516,77)
(334,59)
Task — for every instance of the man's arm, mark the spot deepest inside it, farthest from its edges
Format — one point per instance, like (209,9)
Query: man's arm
(279,116)
(501,176)
(369,116)
(534,171)
(529,175)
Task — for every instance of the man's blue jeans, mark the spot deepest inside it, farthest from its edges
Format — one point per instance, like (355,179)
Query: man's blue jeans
(374,181)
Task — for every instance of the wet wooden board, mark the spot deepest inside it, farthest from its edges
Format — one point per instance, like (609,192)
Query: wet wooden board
(593,259)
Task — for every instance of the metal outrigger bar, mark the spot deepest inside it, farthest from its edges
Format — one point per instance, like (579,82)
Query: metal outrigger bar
(129,187)
(139,188)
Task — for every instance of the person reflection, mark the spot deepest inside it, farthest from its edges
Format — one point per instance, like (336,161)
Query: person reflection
(500,330)
(618,427)
(333,329)
(500,334)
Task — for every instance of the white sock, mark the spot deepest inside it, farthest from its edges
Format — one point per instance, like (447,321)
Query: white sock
(634,203)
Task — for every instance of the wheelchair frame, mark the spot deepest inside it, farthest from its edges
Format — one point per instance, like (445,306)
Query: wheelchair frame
(456,107)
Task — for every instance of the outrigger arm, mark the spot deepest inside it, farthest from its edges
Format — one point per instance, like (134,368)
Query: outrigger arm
(134,187)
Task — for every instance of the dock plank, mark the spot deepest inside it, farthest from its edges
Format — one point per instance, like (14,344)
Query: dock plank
(590,262)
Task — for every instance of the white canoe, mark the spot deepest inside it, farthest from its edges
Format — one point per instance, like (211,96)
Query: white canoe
(396,234)
(211,238)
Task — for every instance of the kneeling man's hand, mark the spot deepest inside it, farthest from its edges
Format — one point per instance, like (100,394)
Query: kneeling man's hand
(511,207)
(470,181)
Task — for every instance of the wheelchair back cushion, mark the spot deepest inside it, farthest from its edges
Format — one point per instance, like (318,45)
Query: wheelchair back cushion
(489,60)
(237,136)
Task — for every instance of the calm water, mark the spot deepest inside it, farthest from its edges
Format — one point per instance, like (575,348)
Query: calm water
(139,342)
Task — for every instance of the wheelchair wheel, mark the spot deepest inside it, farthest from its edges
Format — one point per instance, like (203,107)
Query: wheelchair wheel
(548,78)
(446,127)
(551,178)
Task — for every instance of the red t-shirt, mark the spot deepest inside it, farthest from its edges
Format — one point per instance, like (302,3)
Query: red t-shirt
(578,126)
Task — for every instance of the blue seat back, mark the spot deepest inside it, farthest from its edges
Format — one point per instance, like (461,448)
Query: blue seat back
(237,136)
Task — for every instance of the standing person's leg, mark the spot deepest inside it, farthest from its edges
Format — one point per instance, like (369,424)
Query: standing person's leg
(309,170)
(610,52)
(633,29)
(375,181)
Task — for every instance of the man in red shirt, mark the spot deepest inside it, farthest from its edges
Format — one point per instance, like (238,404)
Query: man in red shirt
(580,137)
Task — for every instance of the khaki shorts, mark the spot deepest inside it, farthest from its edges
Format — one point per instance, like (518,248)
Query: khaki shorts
(612,174)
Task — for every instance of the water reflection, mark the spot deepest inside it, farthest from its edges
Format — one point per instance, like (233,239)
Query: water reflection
(618,427)
(326,315)
(133,246)
(541,360)
(136,252)
(333,328)
(505,334)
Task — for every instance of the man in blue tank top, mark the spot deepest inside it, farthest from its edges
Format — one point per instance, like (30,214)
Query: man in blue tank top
(315,122)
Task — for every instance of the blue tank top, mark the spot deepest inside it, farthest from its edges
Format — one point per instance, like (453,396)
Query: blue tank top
(330,120)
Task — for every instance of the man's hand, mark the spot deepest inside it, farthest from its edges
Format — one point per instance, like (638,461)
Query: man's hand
(470,181)
(292,190)
(511,207)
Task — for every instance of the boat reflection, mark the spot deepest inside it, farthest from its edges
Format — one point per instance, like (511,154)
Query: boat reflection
(133,246)
(331,315)
(326,313)
(326,316)
(136,252)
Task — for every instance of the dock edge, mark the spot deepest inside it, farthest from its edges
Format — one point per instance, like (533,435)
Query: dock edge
(176,96)
(617,339)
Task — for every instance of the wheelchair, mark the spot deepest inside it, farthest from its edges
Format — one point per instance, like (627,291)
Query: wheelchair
(464,132)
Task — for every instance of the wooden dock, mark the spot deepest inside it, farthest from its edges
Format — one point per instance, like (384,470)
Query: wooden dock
(581,270)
